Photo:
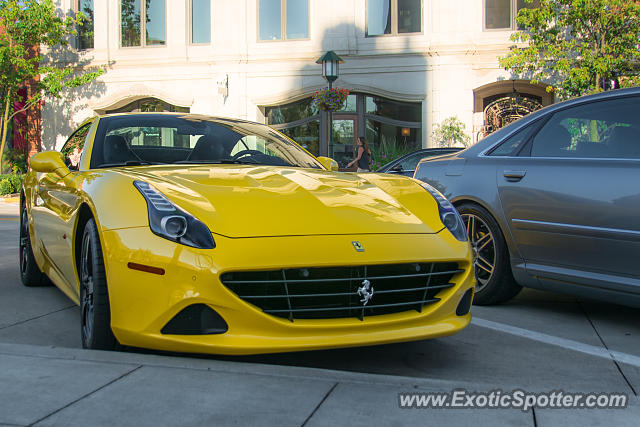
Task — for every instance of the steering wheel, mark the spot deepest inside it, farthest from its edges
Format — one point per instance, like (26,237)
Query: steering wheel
(244,153)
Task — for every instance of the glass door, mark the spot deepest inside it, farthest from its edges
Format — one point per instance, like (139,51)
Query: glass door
(344,141)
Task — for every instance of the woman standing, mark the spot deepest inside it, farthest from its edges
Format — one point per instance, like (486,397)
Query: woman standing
(363,159)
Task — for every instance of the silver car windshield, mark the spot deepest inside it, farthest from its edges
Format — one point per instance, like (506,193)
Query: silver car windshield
(190,139)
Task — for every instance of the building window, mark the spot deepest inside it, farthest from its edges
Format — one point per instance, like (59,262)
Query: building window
(138,18)
(200,21)
(392,128)
(393,17)
(85,25)
(501,14)
(149,105)
(283,19)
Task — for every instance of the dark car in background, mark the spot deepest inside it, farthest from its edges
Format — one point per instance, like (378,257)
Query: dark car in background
(406,165)
(552,201)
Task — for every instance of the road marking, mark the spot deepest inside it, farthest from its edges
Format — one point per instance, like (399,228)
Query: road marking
(593,350)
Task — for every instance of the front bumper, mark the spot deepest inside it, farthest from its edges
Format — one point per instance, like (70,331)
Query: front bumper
(143,303)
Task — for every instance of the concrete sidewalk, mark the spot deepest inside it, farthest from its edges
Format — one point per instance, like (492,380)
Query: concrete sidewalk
(73,387)
(9,205)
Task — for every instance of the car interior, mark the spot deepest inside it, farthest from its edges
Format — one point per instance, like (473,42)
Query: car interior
(168,143)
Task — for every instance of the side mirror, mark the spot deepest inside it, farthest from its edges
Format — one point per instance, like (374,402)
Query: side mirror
(49,161)
(328,163)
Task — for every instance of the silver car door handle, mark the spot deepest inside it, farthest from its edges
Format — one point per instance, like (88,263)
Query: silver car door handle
(514,176)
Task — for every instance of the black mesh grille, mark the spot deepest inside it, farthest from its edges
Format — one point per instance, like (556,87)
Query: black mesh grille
(332,292)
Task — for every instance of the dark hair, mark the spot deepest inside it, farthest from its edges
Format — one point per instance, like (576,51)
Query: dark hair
(364,143)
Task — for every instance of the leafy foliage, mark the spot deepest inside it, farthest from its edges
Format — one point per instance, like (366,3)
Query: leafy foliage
(578,45)
(10,183)
(26,27)
(451,132)
(17,160)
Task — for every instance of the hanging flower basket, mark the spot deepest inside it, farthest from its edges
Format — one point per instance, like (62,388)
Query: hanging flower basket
(330,99)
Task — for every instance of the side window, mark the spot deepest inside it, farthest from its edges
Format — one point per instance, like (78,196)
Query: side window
(514,143)
(603,129)
(411,162)
(72,149)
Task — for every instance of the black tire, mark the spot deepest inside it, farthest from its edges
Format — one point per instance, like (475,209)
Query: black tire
(493,270)
(30,273)
(95,312)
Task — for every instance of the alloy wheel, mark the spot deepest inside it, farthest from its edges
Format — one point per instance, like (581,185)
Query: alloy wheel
(483,246)
(86,278)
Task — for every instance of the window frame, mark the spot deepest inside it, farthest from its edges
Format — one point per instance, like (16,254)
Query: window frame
(529,145)
(86,126)
(536,125)
(143,27)
(190,24)
(513,12)
(394,21)
(283,23)
(77,9)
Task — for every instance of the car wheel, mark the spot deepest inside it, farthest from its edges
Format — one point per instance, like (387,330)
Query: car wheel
(30,273)
(95,311)
(495,282)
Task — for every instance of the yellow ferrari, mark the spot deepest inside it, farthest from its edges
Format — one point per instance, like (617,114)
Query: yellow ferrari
(190,233)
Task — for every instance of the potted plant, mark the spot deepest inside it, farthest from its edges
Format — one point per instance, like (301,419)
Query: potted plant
(330,99)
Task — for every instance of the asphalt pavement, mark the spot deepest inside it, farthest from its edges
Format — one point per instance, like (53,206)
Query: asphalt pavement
(540,342)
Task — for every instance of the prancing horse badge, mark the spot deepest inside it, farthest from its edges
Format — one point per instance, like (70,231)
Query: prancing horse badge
(358,246)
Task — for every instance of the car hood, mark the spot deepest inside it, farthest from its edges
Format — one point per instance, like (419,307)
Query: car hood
(251,201)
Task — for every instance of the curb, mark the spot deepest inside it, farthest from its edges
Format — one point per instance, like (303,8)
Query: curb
(211,363)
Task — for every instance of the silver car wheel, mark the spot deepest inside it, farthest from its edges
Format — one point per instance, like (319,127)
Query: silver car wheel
(483,246)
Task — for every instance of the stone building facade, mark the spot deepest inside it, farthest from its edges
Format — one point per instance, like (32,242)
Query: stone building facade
(408,65)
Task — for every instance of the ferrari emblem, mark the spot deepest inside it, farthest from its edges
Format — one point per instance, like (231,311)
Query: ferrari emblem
(365,291)
(358,246)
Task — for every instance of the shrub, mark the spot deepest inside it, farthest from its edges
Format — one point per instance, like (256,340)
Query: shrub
(16,182)
(10,183)
(5,187)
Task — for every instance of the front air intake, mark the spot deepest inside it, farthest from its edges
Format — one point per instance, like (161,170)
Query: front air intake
(196,319)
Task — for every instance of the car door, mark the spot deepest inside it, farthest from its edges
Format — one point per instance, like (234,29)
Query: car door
(571,199)
(53,212)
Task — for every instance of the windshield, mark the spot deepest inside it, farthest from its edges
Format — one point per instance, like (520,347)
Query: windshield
(133,140)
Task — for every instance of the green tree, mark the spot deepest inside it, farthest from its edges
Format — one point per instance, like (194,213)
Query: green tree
(26,26)
(577,45)
(450,132)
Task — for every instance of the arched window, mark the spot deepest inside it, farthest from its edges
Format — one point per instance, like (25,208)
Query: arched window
(391,127)
(499,103)
(149,105)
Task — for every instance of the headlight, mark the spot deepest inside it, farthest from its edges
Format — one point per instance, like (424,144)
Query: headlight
(169,221)
(448,214)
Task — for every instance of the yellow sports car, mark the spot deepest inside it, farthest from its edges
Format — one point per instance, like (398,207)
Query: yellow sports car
(189,233)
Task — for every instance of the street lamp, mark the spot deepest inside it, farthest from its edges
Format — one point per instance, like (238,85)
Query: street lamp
(330,61)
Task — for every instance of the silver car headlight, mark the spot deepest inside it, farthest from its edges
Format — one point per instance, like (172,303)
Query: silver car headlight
(173,223)
(448,214)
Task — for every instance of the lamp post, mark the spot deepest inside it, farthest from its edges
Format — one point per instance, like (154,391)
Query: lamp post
(330,62)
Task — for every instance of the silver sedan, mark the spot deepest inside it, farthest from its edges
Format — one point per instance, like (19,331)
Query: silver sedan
(552,201)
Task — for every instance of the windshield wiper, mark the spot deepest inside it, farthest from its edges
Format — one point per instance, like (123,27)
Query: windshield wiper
(130,163)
